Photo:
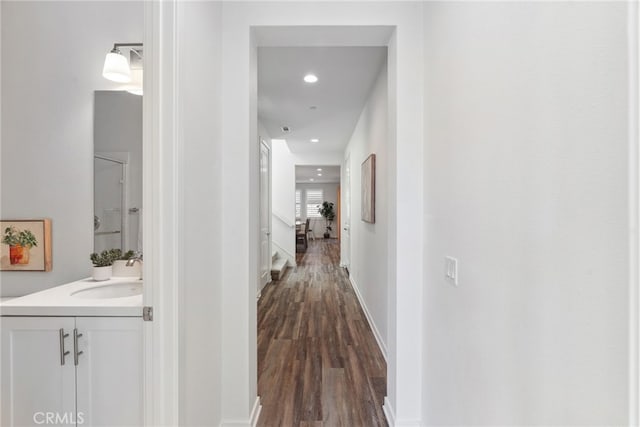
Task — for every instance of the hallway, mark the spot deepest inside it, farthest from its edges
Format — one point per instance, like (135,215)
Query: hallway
(318,361)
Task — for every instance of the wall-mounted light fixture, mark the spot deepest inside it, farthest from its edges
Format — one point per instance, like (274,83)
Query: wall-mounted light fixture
(118,68)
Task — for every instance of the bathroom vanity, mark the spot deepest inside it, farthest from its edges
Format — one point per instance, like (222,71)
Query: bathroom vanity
(72,355)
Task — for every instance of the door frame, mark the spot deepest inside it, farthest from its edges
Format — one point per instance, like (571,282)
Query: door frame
(345,243)
(264,144)
(160,214)
(163,172)
(633,34)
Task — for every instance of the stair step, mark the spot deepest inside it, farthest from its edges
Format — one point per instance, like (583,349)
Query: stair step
(274,256)
(278,268)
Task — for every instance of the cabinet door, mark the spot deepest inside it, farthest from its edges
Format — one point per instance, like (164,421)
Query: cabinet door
(36,388)
(109,371)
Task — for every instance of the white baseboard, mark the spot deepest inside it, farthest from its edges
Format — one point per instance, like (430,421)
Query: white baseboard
(387,408)
(389,413)
(376,332)
(391,417)
(251,422)
(264,286)
(255,413)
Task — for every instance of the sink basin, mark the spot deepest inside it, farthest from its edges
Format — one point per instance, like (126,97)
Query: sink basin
(112,290)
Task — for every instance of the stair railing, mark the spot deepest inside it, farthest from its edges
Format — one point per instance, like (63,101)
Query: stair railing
(284,220)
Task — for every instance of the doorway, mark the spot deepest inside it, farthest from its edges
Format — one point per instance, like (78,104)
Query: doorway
(322,107)
(235,163)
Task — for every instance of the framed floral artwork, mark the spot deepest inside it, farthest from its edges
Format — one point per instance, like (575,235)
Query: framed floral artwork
(25,245)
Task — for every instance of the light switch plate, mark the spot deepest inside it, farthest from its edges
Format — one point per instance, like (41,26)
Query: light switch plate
(451,270)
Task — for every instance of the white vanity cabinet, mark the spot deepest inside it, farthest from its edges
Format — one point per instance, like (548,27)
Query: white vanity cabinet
(109,375)
(34,381)
(71,371)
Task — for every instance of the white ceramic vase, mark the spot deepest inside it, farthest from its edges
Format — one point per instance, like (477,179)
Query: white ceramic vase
(102,273)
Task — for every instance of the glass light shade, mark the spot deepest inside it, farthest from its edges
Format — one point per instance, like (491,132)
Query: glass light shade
(116,68)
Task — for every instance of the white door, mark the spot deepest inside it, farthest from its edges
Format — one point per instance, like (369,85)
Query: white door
(346,214)
(109,371)
(38,380)
(265,215)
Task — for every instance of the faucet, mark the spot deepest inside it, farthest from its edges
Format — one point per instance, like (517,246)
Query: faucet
(137,257)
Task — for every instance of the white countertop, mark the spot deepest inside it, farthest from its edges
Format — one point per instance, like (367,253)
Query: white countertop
(58,301)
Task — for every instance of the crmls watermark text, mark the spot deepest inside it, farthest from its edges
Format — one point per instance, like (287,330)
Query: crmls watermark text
(57,418)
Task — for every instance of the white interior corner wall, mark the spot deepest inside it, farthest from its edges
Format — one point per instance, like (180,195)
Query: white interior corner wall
(239,237)
(240,190)
(527,186)
(47,170)
(369,242)
(200,157)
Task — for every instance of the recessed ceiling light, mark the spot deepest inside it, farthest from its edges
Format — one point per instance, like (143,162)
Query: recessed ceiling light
(319,169)
(319,174)
(310,78)
(310,179)
(315,140)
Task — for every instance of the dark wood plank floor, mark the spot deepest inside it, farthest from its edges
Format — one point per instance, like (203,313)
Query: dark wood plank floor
(318,361)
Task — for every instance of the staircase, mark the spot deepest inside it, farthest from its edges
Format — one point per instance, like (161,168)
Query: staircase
(278,266)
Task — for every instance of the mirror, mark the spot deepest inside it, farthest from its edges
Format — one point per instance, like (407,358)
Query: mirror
(117,173)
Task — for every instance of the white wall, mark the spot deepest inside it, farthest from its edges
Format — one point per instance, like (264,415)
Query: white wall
(330,193)
(52,57)
(283,200)
(526,184)
(368,242)
(201,213)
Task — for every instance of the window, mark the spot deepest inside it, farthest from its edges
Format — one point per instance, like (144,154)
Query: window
(298,203)
(314,201)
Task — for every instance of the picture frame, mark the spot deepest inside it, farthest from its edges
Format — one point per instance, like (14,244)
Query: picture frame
(368,188)
(25,245)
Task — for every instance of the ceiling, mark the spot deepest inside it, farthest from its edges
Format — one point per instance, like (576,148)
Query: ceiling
(330,174)
(345,77)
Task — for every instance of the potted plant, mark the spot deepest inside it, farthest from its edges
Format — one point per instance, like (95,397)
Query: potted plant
(103,263)
(329,215)
(20,243)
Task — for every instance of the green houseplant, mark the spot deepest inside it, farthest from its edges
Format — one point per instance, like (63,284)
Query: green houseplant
(20,243)
(103,262)
(329,214)
(127,255)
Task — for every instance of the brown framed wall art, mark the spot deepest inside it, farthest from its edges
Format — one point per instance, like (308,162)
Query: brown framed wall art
(26,245)
(368,183)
